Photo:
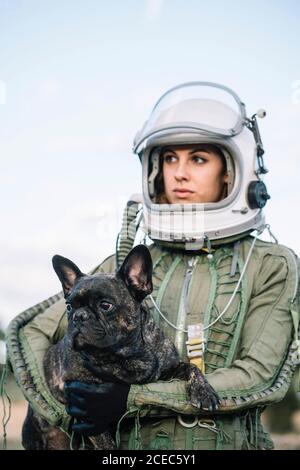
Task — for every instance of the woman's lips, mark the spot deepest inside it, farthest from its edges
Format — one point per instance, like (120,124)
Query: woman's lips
(182,193)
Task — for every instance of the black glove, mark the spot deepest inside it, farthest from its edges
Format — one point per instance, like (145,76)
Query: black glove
(96,406)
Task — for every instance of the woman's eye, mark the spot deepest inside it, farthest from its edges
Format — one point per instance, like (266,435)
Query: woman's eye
(198,159)
(107,306)
(169,158)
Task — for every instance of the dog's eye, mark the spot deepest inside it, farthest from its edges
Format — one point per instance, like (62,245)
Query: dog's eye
(69,308)
(107,306)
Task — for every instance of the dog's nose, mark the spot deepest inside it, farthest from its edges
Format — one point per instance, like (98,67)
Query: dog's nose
(80,316)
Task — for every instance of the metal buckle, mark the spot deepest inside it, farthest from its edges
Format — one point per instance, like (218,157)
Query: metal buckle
(194,350)
(208,424)
(202,423)
(195,342)
(185,424)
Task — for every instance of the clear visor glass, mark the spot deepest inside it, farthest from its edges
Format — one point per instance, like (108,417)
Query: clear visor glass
(195,106)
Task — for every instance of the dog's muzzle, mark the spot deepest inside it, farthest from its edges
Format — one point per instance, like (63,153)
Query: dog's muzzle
(80,316)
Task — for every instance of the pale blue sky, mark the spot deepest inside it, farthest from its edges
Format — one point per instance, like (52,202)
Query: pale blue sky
(81,77)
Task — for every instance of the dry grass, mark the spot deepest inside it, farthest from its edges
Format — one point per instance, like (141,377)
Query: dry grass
(14,426)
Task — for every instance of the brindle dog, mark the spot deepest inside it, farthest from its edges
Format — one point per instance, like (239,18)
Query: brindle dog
(108,321)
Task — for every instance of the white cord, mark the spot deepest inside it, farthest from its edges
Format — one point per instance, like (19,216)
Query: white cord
(236,287)
(165,318)
(230,300)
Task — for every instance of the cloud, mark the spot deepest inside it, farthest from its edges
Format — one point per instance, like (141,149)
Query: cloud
(2,92)
(109,142)
(154,9)
(296,92)
(48,89)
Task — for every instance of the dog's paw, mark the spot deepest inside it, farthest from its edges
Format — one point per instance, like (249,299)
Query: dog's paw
(202,395)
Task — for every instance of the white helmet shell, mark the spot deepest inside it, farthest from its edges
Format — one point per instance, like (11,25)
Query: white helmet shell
(201,112)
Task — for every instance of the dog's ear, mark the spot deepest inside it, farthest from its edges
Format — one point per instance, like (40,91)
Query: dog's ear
(136,272)
(67,272)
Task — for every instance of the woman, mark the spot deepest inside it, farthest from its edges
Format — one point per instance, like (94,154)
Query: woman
(227,299)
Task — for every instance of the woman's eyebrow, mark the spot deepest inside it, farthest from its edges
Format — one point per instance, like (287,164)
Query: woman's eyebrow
(193,150)
(166,149)
(197,149)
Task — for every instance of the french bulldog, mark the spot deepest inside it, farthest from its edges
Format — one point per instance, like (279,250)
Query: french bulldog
(108,320)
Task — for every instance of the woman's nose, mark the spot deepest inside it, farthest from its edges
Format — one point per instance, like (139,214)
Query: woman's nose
(181,172)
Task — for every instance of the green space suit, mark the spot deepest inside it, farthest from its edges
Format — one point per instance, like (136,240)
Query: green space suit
(250,352)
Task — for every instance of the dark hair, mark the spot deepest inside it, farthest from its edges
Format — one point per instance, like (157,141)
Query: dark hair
(159,180)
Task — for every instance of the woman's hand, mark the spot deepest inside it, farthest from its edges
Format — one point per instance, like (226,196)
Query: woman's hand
(95,406)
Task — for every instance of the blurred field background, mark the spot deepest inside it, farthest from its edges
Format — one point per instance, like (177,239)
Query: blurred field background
(18,413)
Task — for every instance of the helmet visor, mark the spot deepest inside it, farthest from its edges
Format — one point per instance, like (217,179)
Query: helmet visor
(195,107)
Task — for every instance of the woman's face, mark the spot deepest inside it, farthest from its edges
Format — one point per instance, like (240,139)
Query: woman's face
(193,174)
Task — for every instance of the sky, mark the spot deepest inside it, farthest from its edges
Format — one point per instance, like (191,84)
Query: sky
(79,78)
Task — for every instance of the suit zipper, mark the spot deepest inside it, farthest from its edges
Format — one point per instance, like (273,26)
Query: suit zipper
(183,306)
